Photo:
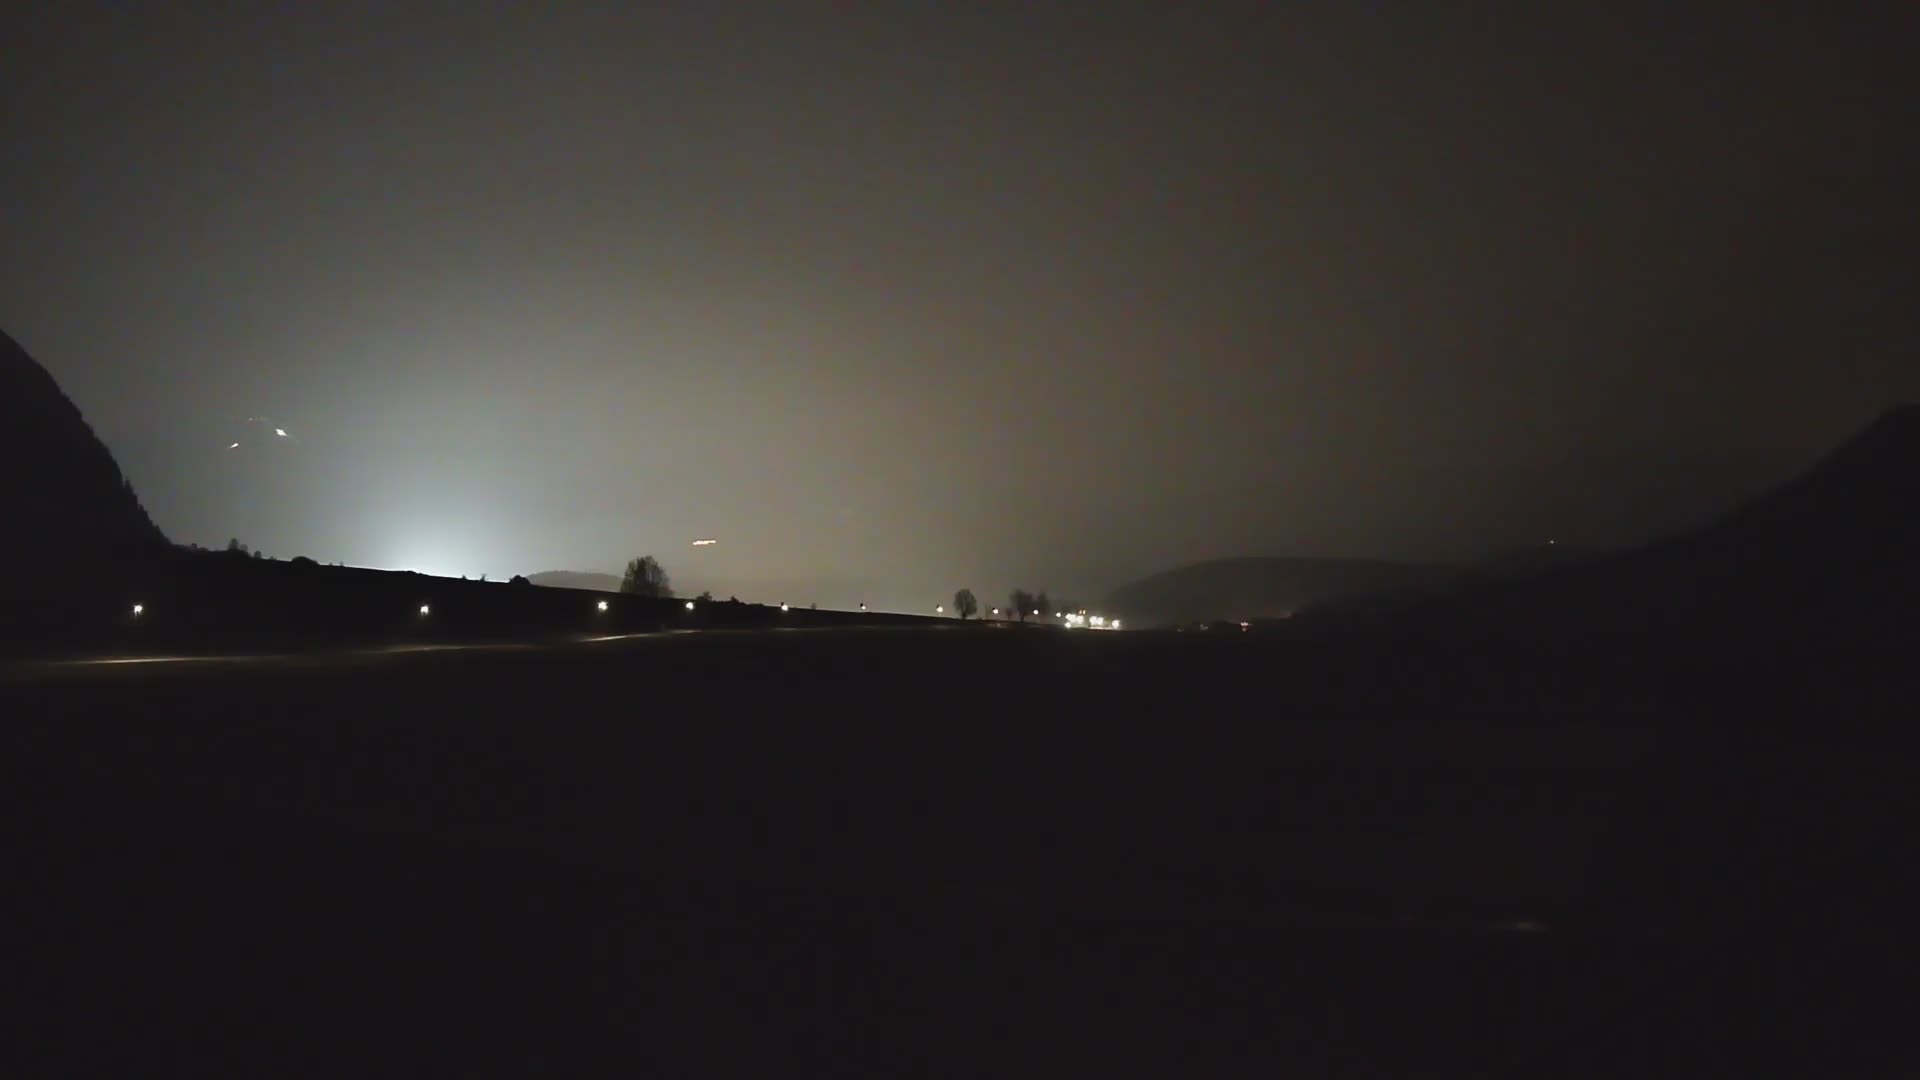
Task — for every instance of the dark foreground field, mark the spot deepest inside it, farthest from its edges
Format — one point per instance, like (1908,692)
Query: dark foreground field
(924,853)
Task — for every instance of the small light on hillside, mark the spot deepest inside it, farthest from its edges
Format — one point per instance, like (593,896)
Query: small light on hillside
(602,605)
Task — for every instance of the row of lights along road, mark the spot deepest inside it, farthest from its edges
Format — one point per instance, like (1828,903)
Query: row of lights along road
(1072,619)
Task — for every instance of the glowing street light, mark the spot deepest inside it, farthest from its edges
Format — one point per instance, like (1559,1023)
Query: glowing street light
(939,609)
(783,605)
(426,609)
(996,611)
(601,606)
(689,605)
(1114,625)
(139,610)
(1036,611)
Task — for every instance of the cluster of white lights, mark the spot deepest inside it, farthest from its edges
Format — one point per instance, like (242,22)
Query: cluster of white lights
(1076,619)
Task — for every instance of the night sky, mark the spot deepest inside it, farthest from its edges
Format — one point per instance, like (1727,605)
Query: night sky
(893,298)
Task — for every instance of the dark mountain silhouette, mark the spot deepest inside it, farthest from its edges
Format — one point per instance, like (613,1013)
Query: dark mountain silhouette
(1827,563)
(574,579)
(1256,588)
(64,496)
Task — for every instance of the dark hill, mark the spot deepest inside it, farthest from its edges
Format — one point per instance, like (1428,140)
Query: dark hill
(1827,564)
(1256,588)
(65,498)
(573,579)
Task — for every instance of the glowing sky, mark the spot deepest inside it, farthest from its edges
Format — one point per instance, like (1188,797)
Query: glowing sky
(896,298)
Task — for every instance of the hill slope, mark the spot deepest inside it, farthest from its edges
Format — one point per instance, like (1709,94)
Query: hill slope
(63,492)
(574,579)
(1251,588)
(1828,562)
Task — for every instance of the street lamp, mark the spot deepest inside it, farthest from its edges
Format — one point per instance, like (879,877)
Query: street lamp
(600,606)
(689,605)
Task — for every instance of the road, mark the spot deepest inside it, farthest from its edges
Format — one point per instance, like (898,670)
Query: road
(913,852)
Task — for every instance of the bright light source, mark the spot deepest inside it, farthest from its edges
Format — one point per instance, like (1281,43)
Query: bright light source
(602,605)
(689,605)
(863,607)
(783,606)
(705,541)
(996,611)
(1245,625)
(426,609)
(939,609)
(1056,614)
(1036,611)
(139,609)
(1099,620)
(235,446)
(1115,624)
(282,432)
